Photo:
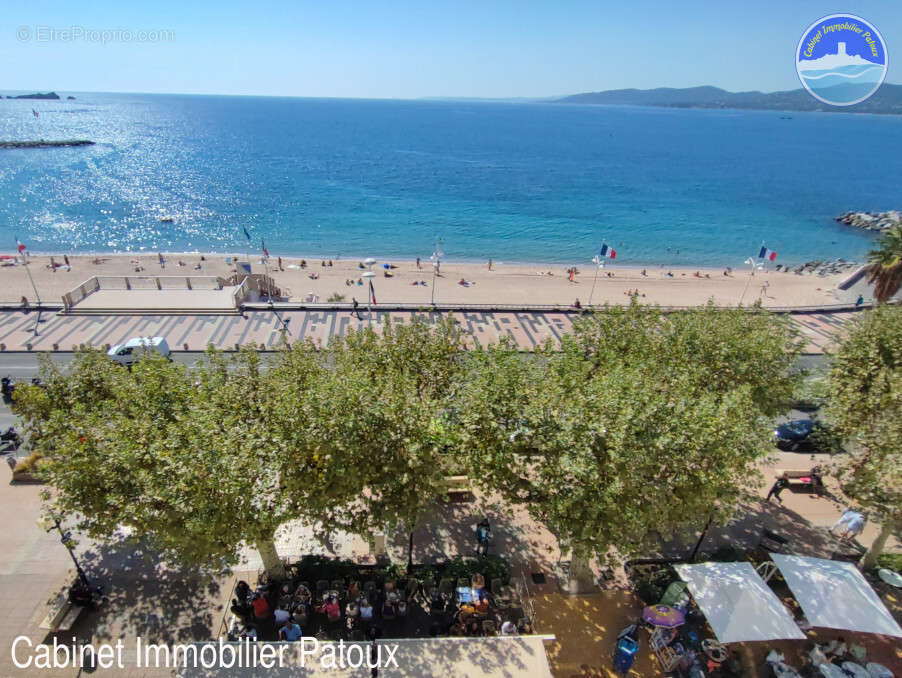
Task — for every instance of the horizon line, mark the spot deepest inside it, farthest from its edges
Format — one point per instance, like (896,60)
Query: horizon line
(389,98)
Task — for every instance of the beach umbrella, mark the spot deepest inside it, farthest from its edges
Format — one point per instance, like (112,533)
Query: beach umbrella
(368,274)
(386,266)
(369,261)
(663,615)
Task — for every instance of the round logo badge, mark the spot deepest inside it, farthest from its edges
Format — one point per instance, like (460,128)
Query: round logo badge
(841,59)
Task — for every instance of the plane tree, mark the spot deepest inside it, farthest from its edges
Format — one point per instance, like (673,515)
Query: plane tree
(193,461)
(642,425)
(865,406)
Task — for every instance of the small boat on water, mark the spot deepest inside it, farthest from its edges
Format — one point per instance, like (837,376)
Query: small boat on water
(167,220)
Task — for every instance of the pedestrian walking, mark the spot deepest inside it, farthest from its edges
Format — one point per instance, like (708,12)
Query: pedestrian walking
(280,264)
(483,532)
(490,264)
(781,484)
(419,266)
(356,310)
(66,259)
(765,287)
(860,300)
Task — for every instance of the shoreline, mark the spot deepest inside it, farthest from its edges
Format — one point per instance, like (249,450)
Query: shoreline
(458,283)
(255,255)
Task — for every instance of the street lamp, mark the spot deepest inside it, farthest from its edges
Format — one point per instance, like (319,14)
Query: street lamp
(369,275)
(436,263)
(50,521)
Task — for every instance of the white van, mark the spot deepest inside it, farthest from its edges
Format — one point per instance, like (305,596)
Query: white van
(129,352)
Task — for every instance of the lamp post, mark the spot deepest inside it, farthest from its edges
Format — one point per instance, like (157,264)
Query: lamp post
(436,263)
(36,295)
(750,262)
(51,521)
(598,264)
(369,275)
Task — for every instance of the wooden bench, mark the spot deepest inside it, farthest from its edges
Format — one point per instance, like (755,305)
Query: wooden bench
(805,479)
(62,614)
(458,488)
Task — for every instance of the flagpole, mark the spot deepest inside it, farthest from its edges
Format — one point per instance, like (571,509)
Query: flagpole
(36,295)
(597,261)
(748,282)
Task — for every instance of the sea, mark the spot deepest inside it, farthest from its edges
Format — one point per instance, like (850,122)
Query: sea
(515,182)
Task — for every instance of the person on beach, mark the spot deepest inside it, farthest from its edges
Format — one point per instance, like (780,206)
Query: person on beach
(490,264)
(571,274)
(419,265)
(781,484)
(356,310)
(577,305)
(280,264)
(161,260)
(66,259)
(52,265)
(765,287)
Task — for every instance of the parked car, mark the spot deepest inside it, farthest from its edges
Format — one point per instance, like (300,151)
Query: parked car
(129,352)
(805,435)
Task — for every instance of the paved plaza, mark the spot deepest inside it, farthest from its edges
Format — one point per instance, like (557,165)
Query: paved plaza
(266,327)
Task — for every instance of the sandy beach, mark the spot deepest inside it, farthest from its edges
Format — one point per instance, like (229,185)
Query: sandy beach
(505,284)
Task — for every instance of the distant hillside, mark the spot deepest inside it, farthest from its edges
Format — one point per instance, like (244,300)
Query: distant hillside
(888,99)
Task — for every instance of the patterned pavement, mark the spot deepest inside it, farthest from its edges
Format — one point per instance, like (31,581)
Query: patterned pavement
(196,332)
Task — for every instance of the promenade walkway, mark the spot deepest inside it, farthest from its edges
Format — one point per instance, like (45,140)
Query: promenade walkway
(196,332)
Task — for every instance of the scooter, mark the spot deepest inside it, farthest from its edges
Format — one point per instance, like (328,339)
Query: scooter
(10,435)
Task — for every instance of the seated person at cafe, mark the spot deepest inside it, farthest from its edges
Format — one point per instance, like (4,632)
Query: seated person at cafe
(290,631)
(285,597)
(482,606)
(302,595)
(474,629)
(281,616)
(261,607)
(388,608)
(353,592)
(366,610)
(243,591)
(331,609)
(300,613)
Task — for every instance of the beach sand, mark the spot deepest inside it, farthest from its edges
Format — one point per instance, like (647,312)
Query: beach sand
(522,284)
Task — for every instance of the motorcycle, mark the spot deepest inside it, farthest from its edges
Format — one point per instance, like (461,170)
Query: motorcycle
(6,388)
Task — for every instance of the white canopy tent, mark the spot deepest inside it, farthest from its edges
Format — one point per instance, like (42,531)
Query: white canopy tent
(835,595)
(738,604)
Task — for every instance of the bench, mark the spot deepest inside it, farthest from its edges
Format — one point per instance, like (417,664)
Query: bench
(807,479)
(458,488)
(62,614)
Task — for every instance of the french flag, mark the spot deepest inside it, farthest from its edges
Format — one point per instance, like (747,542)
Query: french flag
(608,252)
(767,254)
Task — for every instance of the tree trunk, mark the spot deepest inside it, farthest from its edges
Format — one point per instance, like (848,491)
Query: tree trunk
(581,578)
(410,554)
(272,564)
(869,561)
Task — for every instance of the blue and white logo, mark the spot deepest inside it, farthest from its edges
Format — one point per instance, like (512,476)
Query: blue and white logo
(841,59)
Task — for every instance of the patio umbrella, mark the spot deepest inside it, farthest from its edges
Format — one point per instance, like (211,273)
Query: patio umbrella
(663,615)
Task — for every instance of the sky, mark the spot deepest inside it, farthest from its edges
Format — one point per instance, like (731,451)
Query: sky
(407,49)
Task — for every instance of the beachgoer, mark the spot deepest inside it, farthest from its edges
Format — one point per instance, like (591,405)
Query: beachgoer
(577,305)
(765,287)
(781,484)
(490,264)
(854,526)
(330,262)
(52,265)
(24,301)
(860,300)
(323,263)
(419,266)
(644,273)
(303,263)
(161,260)
(571,273)
(66,259)
(280,264)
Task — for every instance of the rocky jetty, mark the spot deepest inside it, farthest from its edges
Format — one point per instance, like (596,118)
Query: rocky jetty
(872,221)
(821,268)
(43,143)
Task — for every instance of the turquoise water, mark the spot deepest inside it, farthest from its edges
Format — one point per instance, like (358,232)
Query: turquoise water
(515,182)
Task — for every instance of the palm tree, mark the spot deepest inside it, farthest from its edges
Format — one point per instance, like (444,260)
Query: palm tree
(885,269)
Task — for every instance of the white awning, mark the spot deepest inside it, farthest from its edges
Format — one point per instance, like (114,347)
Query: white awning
(835,595)
(738,604)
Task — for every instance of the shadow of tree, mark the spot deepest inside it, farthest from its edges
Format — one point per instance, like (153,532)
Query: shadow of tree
(156,601)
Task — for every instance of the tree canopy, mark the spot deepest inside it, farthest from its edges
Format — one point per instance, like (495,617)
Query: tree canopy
(643,422)
(865,390)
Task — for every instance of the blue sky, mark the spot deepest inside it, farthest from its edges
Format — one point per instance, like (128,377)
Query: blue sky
(405,49)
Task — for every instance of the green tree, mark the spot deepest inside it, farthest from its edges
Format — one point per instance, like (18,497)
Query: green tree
(885,265)
(194,461)
(865,390)
(642,425)
(388,411)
